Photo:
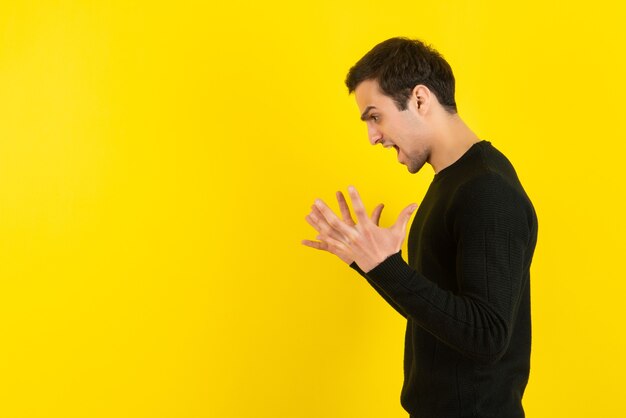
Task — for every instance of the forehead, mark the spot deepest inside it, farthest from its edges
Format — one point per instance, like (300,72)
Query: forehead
(368,93)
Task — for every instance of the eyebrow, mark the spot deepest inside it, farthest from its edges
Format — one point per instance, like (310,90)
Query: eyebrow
(367,109)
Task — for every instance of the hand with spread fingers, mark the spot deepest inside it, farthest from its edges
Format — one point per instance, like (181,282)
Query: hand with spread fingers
(364,242)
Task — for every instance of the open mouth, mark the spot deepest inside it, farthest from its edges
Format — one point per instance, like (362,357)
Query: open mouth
(389,146)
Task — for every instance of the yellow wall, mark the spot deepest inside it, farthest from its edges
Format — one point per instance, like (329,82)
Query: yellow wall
(157,162)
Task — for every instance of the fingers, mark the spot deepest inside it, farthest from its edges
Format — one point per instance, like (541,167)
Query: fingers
(317,221)
(335,223)
(345,210)
(315,244)
(357,204)
(403,219)
(324,244)
(376,213)
(340,252)
(333,245)
(347,216)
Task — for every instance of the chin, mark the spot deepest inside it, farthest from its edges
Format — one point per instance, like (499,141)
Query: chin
(415,163)
(415,168)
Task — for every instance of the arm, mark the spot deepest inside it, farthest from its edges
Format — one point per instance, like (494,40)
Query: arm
(319,222)
(492,230)
(381,292)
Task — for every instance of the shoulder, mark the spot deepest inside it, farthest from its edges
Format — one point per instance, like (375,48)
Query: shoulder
(486,183)
(489,198)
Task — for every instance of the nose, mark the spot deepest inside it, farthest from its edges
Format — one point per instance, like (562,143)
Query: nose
(375,136)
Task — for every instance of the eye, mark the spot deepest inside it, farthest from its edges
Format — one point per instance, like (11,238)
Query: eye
(374,118)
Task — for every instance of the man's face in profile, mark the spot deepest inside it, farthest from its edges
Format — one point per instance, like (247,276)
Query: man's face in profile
(401,129)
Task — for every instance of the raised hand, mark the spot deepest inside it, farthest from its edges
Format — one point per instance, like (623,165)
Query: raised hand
(317,220)
(364,242)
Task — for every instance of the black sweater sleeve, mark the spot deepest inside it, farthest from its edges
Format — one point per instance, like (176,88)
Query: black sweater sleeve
(380,291)
(492,226)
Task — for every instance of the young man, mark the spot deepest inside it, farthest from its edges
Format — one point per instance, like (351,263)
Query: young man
(465,291)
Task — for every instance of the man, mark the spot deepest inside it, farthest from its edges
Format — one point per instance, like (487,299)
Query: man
(465,291)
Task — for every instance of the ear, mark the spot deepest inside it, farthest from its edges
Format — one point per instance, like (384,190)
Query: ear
(421,98)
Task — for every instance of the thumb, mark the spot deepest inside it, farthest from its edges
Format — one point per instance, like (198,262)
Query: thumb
(376,213)
(404,217)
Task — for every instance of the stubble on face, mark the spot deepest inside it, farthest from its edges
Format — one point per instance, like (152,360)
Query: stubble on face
(401,128)
(415,150)
(416,161)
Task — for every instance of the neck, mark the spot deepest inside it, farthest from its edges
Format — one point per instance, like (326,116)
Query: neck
(453,140)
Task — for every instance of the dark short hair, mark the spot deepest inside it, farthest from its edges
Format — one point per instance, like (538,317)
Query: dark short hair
(398,65)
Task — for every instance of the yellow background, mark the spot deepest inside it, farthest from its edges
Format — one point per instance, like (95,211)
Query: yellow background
(157,161)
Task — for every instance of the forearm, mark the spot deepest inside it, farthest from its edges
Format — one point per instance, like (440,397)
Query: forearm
(470,325)
(380,291)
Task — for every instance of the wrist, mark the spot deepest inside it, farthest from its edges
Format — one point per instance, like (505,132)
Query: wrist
(385,260)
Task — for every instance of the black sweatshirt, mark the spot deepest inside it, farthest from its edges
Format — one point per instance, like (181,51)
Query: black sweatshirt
(465,291)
